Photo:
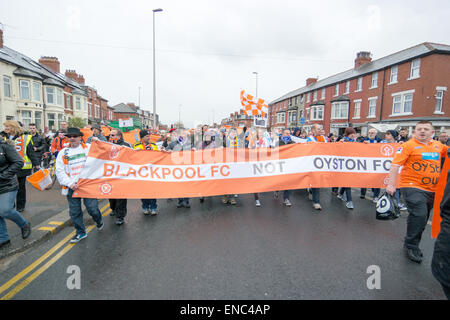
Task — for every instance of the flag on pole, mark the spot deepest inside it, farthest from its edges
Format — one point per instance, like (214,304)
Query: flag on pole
(252,107)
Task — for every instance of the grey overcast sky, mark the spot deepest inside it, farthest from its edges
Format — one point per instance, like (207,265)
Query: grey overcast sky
(207,50)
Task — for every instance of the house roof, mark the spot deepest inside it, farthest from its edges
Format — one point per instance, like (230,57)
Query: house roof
(375,65)
(29,67)
(123,108)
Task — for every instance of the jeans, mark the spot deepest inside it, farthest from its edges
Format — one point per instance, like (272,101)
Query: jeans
(419,205)
(315,195)
(149,204)
(76,212)
(286,194)
(7,211)
(348,193)
(376,192)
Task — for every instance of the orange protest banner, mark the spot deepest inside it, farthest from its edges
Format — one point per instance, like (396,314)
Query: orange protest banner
(113,171)
(438,195)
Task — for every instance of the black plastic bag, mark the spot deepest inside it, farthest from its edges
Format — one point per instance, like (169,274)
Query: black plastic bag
(387,208)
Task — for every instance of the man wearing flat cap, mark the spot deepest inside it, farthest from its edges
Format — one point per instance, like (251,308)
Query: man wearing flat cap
(96,132)
(69,164)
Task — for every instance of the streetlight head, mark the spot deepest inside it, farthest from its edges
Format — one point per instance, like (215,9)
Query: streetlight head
(157,10)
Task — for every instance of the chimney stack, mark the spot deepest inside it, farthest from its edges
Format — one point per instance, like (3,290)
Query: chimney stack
(51,62)
(310,81)
(362,58)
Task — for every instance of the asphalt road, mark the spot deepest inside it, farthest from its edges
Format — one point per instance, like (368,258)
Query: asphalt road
(215,251)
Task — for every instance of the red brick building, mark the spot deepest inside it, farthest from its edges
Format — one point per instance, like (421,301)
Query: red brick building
(392,92)
(238,119)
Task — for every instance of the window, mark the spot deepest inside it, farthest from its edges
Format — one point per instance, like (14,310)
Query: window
(357,110)
(323,94)
(347,87)
(38,119)
(26,118)
(50,95)
(394,73)
(59,97)
(372,108)
(317,112)
(84,104)
(281,117)
(60,119)
(374,83)
(359,84)
(24,89)
(339,110)
(97,111)
(308,97)
(336,90)
(36,92)
(439,99)
(90,109)
(51,121)
(315,96)
(68,102)
(7,86)
(301,98)
(402,103)
(77,103)
(415,69)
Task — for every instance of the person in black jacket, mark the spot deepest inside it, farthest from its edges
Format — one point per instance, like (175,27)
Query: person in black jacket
(39,145)
(10,164)
(440,263)
(118,206)
(24,145)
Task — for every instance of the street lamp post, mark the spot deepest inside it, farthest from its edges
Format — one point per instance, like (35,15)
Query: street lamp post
(154,73)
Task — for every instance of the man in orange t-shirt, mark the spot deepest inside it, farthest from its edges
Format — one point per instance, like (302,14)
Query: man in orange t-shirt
(420,159)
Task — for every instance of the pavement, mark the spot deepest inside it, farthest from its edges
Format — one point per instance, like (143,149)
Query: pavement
(47,218)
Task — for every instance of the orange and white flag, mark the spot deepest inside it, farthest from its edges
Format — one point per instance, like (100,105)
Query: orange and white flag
(252,107)
(114,172)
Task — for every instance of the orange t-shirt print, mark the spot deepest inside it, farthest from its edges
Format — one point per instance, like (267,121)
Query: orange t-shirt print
(421,164)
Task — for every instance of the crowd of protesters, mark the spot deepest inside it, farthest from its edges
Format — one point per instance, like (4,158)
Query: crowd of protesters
(70,151)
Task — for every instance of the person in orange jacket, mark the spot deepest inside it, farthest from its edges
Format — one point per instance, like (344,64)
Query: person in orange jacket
(60,142)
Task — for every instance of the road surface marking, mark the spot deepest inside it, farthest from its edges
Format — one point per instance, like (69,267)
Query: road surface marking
(52,229)
(41,270)
(44,257)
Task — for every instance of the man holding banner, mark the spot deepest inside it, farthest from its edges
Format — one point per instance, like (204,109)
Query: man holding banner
(420,158)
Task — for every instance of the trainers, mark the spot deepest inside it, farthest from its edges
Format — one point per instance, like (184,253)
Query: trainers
(375,200)
(232,201)
(414,254)
(147,212)
(317,206)
(224,199)
(287,203)
(235,195)
(179,205)
(349,205)
(402,207)
(100,225)
(119,221)
(257,203)
(78,237)
(340,196)
(26,231)
(153,212)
